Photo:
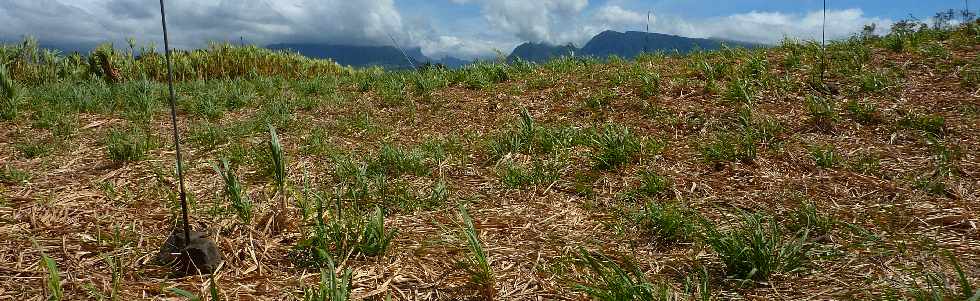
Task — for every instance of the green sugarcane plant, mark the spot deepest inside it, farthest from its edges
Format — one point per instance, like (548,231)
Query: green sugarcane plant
(8,95)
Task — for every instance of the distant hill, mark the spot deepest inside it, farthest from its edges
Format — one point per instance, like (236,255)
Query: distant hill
(364,56)
(624,44)
(540,52)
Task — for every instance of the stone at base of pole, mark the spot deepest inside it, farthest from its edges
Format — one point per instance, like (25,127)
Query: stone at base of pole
(199,256)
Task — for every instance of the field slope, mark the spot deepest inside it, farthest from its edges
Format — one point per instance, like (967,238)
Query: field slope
(715,175)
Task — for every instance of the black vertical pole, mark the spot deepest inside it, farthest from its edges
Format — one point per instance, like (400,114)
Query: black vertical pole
(173,121)
(646,38)
(823,44)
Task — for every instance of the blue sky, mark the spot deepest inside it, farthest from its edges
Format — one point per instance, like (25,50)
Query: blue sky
(462,28)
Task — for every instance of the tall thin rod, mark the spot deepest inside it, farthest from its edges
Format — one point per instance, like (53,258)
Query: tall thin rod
(173,121)
(823,43)
(646,38)
(405,54)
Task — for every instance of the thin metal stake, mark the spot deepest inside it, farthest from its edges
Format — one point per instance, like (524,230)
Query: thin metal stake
(823,44)
(173,121)
(405,54)
(646,38)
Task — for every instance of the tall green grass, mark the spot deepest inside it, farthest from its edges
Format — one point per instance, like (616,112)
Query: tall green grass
(277,160)
(330,287)
(343,232)
(35,65)
(374,240)
(477,262)
(9,95)
(234,191)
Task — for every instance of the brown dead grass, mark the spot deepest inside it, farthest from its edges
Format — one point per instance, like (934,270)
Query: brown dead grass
(531,234)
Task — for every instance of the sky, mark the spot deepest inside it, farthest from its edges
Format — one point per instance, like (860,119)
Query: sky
(462,28)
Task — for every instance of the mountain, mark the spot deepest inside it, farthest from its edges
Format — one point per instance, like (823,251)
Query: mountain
(363,56)
(624,44)
(452,62)
(540,52)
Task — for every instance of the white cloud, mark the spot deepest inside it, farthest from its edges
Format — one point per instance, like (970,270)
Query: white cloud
(502,24)
(533,20)
(771,27)
(193,23)
(446,45)
(613,14)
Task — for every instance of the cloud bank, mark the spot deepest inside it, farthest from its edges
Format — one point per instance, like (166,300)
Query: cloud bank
(500,25)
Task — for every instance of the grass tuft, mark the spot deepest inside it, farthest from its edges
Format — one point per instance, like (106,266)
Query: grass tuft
(756,249)
(34,149)
(730,147)
(666,223)
(823,112)
(614,146)
(608,281)
(330,287)
(13,175)
(234,191)
(346,233)
(9,92)
(129,145)
(277,160)
(932,125)
(653,184)
(863,113)
(825,156)
(374,240)
(807,218)
(540,172)
(476,263)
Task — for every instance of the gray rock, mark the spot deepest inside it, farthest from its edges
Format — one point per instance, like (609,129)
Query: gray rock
(200,256)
